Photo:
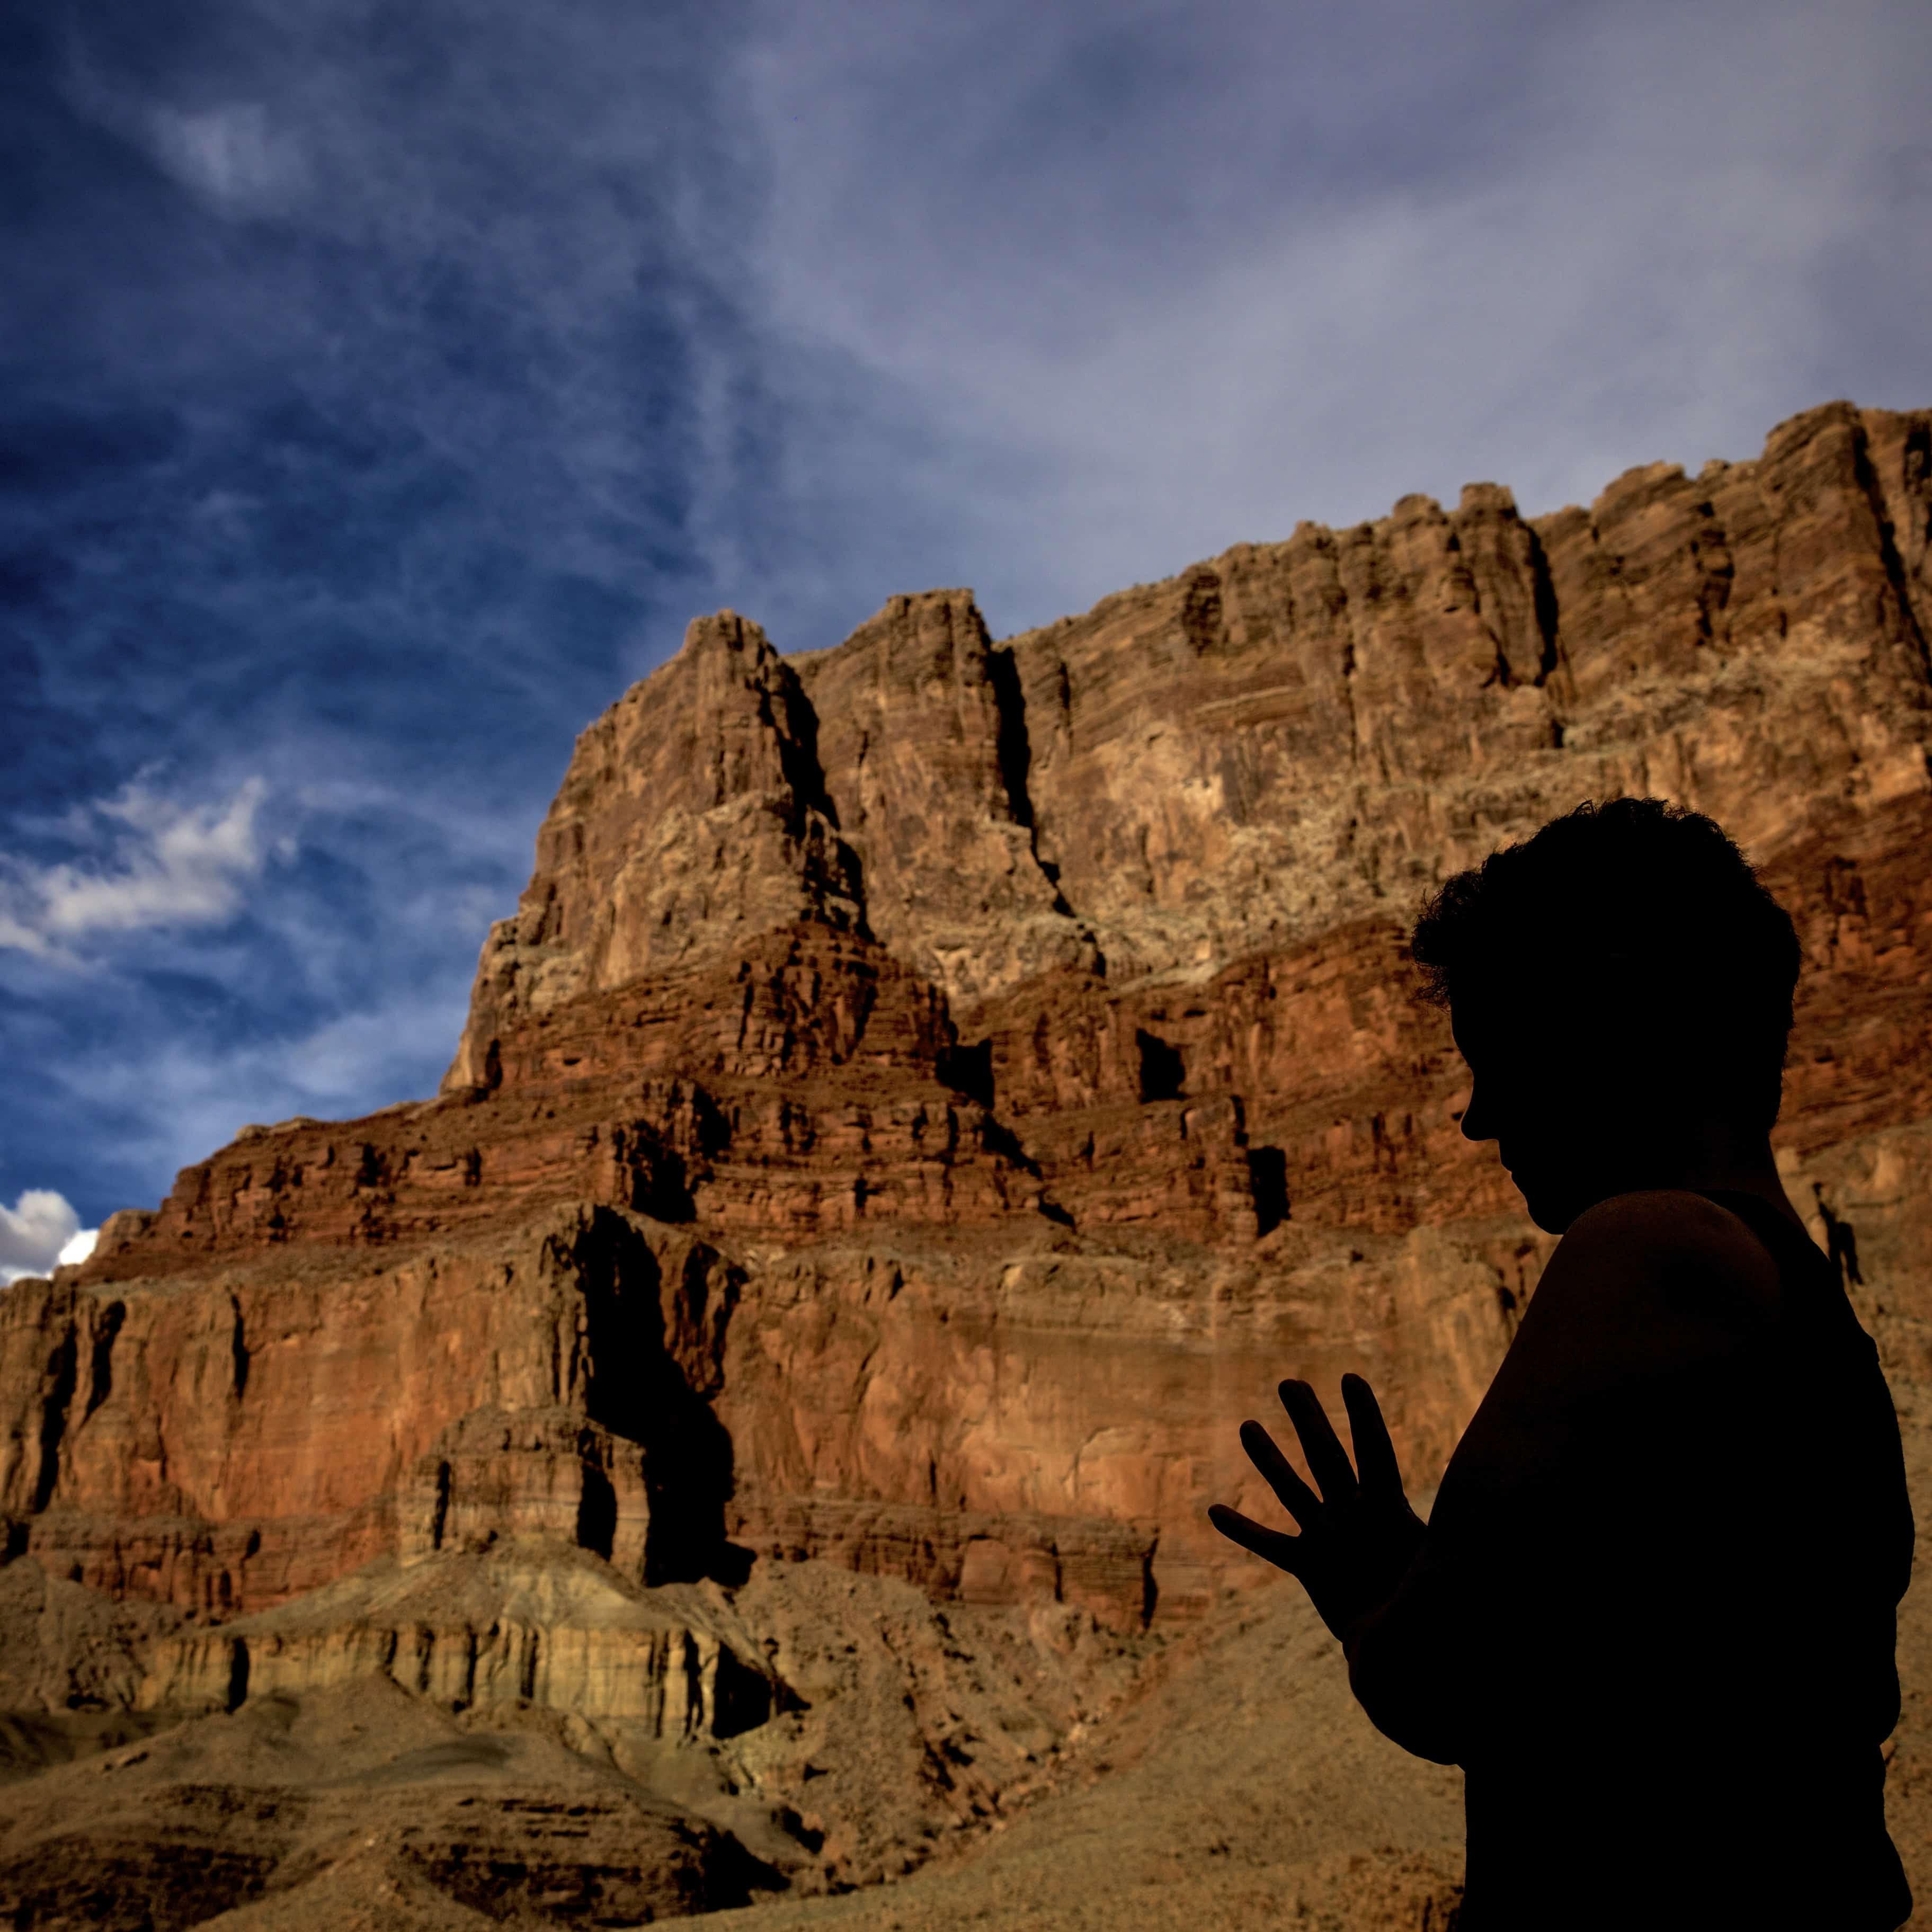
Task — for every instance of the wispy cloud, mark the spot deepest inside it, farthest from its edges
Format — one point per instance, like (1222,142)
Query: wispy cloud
(233,155)
(1177,279)
(335,984)
(337,1069)
(167,863)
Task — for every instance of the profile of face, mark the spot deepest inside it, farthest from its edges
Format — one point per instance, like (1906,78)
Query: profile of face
(1567,1111)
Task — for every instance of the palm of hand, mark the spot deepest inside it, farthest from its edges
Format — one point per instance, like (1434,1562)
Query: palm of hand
(1359,1535)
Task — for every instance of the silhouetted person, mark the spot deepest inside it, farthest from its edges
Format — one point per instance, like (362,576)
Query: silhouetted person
(1653,1613)
(1841,1243)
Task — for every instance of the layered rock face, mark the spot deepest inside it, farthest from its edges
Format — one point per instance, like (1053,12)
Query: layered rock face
(931,1089)
(1018,1035)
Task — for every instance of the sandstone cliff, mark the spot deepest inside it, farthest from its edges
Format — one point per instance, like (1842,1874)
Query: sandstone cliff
(931,1089)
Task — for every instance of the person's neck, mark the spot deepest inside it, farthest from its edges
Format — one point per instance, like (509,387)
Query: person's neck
(1717,1157)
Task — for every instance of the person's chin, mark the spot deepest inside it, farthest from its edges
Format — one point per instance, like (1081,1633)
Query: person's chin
(1552,1207)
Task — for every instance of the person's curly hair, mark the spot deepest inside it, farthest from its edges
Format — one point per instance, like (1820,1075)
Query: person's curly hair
(1634,920)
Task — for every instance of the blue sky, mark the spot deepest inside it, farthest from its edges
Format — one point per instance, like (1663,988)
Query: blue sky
(384,387)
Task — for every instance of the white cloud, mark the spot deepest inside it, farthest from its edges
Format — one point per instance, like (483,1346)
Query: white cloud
(39,1232)
(167,864)
(77,1247)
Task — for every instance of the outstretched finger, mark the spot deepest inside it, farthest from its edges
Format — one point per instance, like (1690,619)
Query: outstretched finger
(1272,1546)
(1296,1498)
(1375,1454)
(1327,1461)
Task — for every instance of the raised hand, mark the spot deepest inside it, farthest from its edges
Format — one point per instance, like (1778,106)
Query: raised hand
(1359,1535)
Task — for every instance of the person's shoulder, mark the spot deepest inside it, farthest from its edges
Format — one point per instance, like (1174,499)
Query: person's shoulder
(1670,1254)
(1673,1218)
(1674,1228)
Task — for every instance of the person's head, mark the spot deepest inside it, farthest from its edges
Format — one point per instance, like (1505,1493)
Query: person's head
(1621,986)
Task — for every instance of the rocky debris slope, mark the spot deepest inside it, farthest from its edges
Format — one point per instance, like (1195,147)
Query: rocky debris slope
(519,1733)
(929,1090)
(219,1811)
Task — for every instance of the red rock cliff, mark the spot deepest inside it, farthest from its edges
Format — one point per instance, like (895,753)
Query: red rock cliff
(931,1089)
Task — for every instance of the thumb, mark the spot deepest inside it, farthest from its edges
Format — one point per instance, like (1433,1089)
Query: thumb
(1272,1545)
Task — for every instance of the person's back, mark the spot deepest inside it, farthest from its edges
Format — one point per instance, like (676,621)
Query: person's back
(1652,1614)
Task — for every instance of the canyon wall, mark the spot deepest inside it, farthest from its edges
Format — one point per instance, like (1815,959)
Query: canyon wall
(931,1089)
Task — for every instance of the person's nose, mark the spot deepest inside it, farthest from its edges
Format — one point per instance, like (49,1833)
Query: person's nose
(1473,1115)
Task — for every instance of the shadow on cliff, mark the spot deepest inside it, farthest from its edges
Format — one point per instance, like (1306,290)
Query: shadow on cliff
(654,1336)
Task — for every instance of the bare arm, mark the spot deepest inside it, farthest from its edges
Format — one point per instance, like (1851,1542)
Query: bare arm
(1644,1289)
